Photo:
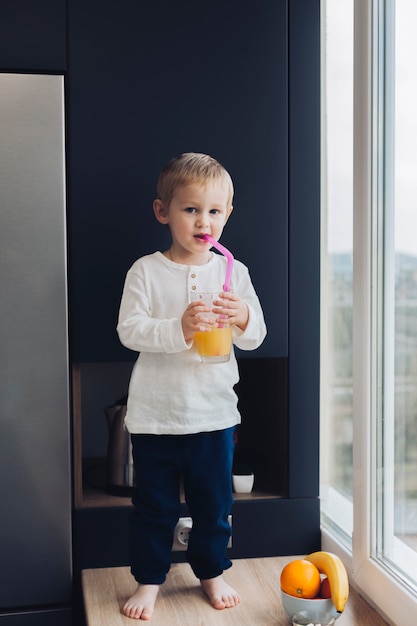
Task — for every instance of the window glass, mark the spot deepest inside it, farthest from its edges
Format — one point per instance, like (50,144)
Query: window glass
(397,442)
(336,284)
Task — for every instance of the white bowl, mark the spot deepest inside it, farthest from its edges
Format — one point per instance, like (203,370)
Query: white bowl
(316,608)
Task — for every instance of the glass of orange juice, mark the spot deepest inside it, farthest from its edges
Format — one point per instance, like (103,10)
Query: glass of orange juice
(214,344)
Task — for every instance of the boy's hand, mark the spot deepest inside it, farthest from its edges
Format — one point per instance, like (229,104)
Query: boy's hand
(194,320)
(229,306)
(234,310)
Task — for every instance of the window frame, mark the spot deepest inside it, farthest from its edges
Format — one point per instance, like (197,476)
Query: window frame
(367,573)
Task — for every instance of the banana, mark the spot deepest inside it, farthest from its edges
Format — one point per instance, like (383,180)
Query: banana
(329,564)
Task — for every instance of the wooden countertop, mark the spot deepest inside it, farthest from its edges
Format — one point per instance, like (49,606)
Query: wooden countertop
(182,603)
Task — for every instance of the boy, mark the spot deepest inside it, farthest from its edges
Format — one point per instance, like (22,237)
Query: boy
(181,413)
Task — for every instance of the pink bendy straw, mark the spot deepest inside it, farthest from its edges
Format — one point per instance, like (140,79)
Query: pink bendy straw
(227,254)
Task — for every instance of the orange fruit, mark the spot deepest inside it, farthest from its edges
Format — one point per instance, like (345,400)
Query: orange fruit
(301,579)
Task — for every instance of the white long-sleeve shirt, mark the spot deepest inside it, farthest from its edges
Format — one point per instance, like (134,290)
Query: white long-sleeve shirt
(171,391)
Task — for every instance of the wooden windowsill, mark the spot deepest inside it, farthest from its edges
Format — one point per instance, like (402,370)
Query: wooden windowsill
(181,600)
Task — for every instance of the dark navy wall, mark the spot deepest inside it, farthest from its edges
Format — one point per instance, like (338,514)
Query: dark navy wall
(148,81)
(33,35)
(304,247)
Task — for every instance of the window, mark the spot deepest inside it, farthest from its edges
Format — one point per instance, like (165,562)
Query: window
(396,427)
(336,444)
(369,298)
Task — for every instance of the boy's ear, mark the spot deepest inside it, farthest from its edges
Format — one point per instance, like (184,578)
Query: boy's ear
(160,213)
(229,210)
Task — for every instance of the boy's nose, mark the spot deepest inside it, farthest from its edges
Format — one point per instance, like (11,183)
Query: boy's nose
(203,221)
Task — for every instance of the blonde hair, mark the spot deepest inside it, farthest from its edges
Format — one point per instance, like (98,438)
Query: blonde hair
(189,168)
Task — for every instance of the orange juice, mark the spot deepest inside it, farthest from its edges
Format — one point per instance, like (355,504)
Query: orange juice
(214,344)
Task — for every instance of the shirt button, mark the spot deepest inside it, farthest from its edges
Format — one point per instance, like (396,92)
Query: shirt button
(193,287)
(192,275)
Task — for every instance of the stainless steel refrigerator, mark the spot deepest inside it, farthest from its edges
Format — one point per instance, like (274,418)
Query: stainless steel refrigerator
(35,494)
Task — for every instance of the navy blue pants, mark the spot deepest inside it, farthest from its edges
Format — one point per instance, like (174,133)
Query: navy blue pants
(202,462)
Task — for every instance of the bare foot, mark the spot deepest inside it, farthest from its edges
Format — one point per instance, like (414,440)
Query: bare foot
(141,605)
(220,594)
